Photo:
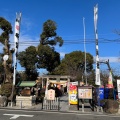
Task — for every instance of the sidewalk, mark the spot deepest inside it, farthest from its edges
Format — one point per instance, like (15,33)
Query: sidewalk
(64,104)
(64,107)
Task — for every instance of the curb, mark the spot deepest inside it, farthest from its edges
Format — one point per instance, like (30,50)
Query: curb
(69,111)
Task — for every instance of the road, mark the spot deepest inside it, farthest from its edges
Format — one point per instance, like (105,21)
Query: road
(42,115)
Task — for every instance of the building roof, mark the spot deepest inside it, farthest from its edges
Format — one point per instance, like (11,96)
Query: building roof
(26,84)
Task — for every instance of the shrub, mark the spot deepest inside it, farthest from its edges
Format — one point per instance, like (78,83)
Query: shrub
(6,89)
(110,106)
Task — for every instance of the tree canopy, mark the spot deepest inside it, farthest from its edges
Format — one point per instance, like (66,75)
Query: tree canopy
(49,34)
(44,55)
(48,58)
(7,29)
(73,64)
(28,60)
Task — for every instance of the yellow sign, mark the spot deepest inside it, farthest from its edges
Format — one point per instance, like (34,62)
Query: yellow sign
(73,97)
(72,94)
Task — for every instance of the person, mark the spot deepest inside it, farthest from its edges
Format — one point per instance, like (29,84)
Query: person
(62,89)
(51,86)
(65,89)
(58,92)
(32,91)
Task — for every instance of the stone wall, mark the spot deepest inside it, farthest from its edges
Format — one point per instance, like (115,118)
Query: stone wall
(25,101)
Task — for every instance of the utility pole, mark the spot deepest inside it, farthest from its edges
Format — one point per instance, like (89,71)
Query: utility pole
(85,50)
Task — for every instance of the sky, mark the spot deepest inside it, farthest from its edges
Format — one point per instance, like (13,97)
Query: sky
(68,14)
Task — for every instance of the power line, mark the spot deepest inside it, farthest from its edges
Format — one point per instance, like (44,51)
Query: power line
(66,42)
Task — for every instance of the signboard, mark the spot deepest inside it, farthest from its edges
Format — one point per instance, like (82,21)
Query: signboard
(72,93)
(85,92)
(51,94)
(74,83)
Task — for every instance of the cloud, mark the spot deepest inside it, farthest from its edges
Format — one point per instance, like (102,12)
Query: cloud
(25,41)
(26,38)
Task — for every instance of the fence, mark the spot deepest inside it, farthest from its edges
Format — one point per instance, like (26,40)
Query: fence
(51,104)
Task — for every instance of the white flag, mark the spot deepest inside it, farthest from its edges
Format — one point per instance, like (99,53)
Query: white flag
(95,16)
(97,82)
(110,80)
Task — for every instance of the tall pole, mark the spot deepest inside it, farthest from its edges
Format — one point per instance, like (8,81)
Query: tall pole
(16,43)
(85,50)
(97,82)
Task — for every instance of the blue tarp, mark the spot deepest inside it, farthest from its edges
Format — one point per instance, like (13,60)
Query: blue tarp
(99,95)
(103,93)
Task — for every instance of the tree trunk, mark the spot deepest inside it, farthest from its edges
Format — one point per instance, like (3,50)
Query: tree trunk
(7,63)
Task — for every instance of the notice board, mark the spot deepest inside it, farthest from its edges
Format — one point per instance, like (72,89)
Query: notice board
(51,94)
(85,92)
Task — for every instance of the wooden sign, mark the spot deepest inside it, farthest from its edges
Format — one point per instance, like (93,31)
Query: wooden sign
(85,92)
(51,94)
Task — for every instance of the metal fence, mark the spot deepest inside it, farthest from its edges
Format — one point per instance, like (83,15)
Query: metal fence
(51,104)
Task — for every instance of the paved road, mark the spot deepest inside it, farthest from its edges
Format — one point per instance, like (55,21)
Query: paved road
(42,115)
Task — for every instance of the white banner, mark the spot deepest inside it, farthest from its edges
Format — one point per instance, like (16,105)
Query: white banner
(118,85)
(95,16)
(97,82)
(16,43)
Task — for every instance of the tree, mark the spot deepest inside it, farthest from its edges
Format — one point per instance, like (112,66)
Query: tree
(74,64)
(1,70)
(44,55)
(48,58)
(49,35)
(4,39)
(28,59)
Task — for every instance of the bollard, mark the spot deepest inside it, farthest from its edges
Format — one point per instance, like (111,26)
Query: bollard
(119,109)
(82,107)
(101,109)
(97,108)
(21,104)
(11,104)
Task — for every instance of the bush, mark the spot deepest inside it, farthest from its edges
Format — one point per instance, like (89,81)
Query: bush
(6,89)
(110,106)
(3,101)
